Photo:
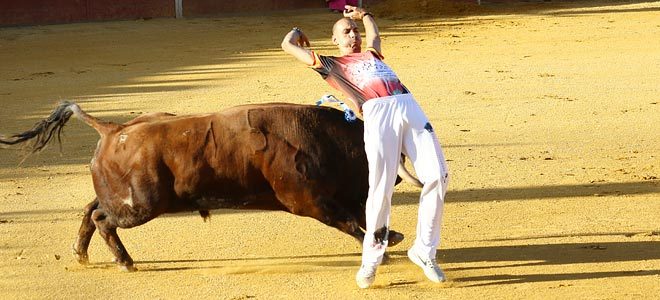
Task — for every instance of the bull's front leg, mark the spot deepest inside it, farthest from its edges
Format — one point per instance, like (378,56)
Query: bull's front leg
(85,233)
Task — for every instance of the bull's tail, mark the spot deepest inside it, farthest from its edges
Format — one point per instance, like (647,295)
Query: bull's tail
(43,131)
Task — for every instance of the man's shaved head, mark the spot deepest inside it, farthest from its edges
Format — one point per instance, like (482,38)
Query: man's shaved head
(341,23)
(346,35)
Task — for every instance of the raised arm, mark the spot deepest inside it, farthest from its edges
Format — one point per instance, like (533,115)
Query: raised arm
(294,43)
(371,29)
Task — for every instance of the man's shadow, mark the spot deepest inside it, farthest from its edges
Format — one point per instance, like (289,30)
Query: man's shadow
(517,256)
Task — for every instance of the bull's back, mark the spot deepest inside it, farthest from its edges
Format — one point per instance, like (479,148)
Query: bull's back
(168,164)
(317,130)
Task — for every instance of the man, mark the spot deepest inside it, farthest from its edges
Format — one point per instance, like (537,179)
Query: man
(393,123)
(338,5)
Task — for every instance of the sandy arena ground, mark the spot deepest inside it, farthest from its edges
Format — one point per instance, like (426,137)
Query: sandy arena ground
(548,114)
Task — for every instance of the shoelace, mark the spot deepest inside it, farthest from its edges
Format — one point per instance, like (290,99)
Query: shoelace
(431,263)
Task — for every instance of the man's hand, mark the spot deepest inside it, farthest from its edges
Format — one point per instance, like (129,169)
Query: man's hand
(353,12)
(358,13)
(294,43)
(301,38)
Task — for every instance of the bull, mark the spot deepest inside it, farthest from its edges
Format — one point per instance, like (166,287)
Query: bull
(305,160)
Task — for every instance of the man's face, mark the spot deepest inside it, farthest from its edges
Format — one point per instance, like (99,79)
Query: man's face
(346,35)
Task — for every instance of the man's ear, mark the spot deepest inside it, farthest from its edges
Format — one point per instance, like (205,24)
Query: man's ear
(334,40)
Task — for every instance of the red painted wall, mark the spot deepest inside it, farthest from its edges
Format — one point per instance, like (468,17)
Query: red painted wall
(41,11)
(25,12)
(129,9)
(29,12)
(210,7)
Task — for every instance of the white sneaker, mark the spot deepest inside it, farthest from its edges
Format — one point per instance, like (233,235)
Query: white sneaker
(430,267)
(365,276)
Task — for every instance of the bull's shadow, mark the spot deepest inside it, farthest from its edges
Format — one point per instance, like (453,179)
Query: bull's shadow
(255,263)
(472,195)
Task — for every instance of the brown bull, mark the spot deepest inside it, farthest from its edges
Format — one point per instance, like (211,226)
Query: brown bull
(305,160)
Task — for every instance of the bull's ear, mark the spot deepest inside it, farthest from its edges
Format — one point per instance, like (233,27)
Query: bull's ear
(257,140)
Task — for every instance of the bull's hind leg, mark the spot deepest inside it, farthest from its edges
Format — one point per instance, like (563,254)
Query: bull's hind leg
(108,230)
(85,233)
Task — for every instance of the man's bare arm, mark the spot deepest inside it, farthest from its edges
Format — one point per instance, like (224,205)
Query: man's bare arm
(294,43)
(370,27)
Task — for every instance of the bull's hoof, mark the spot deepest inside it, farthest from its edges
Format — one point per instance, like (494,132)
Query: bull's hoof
(127,269)
(82,258)
(394,238)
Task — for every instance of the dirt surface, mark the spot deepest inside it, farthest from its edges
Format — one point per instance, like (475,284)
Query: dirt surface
(548,114)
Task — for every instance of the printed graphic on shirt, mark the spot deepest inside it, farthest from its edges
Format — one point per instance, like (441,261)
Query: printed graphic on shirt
(359,76)
(365,72)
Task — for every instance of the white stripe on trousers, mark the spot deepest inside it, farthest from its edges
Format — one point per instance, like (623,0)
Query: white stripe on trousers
(394,125)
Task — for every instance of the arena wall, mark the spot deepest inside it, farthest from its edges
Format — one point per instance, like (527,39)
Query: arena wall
(28,12)
(31,12)
(211,7)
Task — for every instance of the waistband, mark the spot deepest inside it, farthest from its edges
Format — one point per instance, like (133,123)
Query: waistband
(391,98)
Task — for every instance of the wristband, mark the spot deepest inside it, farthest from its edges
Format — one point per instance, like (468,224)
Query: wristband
(367,14)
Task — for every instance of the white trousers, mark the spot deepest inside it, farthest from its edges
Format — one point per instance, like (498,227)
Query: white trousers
(394,125)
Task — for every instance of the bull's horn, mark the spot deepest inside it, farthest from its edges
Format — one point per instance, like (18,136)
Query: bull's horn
(405,175)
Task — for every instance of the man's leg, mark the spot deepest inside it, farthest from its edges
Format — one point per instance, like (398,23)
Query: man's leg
(383,148)
(421,145)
